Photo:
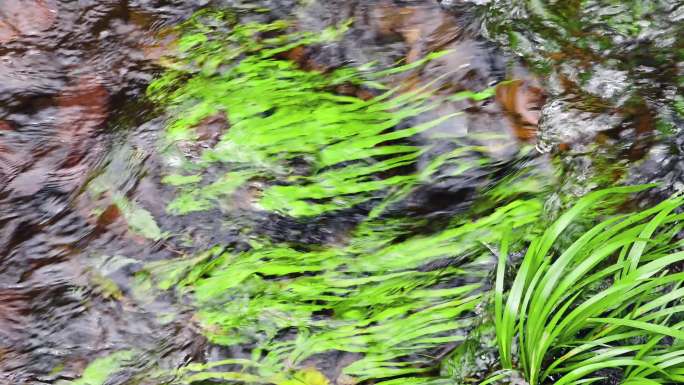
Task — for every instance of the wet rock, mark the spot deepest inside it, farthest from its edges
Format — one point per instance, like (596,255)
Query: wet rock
(155,50)
(13,310)
(61,163)
(83,107)
(384,31)
(24,17)
(7,32)
(29,182)
(471,64)
(424,28)
(108,216)
(613,58)
(27,76)
(62,74)
(606,83)
(72,325)
(664,165)
(562,123)
(332,364)
(450,4)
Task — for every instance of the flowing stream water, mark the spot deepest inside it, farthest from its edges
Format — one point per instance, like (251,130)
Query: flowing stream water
(587,94)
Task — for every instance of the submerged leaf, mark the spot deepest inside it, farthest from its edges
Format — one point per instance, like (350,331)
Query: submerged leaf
(99,370)
(308,376)
(139,220)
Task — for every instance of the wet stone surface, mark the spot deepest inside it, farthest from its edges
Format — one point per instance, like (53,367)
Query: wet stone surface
(612,75)
(68,70)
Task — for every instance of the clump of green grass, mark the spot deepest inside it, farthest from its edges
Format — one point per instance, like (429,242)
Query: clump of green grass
(610,300)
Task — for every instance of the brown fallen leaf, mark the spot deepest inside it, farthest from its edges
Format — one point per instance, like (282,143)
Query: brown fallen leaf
(425,28)
(522,103)
(208,133)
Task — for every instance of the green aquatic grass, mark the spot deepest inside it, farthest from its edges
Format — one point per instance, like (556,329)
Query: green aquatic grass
(316,151)
(388,300)
(611,299)
(594,291)
(378,297)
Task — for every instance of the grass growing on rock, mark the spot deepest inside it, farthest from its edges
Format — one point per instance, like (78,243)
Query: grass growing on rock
(389,303)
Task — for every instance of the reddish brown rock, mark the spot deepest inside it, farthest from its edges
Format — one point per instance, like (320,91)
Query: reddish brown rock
(83,107)
(7,31)
(110,215)
(25,17)
(159,48)
(211,128)
(303,57)
(83,110)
